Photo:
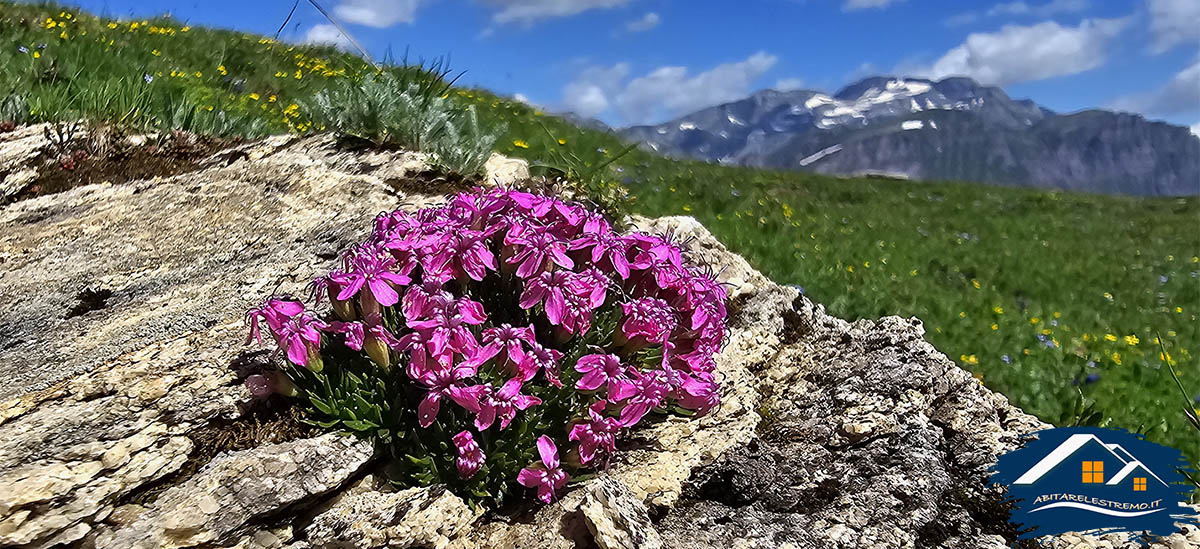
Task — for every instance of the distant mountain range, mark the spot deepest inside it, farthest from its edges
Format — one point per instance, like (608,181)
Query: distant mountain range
(952,129)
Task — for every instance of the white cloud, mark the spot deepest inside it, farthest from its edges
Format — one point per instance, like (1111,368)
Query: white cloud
(645,23)
(788,84)
(663,92)
(1196,129)
(588,94)
(670,91)
(1173,22)
(527,12)
(855,5)
(1179,95)
(1024,53)
(327,34)
(377,13)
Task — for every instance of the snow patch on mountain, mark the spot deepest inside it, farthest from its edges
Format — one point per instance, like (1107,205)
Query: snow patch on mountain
(819,155)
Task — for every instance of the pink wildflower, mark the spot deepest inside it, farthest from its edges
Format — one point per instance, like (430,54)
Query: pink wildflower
(470,455)
(597,434)
(546,476)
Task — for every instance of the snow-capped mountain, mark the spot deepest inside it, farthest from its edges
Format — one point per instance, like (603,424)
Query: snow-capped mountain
(947,129)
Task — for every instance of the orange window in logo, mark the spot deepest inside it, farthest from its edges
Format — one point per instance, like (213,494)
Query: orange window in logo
(1139,484)
(1093,472)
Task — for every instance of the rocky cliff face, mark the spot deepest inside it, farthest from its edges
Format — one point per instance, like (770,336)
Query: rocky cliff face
(951,129)
(830,434)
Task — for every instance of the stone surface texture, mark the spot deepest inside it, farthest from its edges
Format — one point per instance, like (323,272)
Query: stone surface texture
(830,433)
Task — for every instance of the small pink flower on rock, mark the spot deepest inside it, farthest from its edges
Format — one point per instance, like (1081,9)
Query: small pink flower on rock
(470,455)
(547,477)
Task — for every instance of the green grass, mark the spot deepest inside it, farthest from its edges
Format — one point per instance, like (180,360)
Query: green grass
(988,269)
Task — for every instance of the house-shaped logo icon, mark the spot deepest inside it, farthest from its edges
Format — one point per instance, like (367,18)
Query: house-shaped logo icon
(1098,464)
(1082,478)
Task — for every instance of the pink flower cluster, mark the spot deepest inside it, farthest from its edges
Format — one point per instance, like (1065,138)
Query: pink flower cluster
(643,322)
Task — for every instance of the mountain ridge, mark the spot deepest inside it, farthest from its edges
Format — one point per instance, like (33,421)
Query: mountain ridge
(952,128)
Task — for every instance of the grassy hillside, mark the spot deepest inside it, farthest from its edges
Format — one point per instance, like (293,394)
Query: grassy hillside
(1048,297)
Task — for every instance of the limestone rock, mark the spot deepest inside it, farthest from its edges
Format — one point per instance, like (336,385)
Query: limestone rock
(18,151)
(417,517)
(616,518)
(504,171)
(102,397)
(216,503)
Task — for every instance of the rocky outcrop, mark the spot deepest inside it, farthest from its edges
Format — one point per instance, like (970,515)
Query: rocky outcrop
(122,339)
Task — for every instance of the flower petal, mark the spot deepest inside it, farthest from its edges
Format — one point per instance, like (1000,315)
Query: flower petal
(548,451)
(530,477)
(383,291)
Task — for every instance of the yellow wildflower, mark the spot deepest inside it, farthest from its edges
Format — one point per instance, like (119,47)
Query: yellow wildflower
(221,69)
(1057,314)
(962,314)
(1034,320)
(155,52)
(185,29)
(1178,309)
(969,359)
(1131,340)
(1116,358)
(562,141)
(975,283)
(520,143)
(112,25)
(1110,337)
(850,268)
(254,96)
(998,310)
(271,98)
(199,74)
(995,326)
(37,55)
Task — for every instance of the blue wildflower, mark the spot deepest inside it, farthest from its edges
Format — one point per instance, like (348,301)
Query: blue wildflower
(1092,378)
(22,49)
(1007,359)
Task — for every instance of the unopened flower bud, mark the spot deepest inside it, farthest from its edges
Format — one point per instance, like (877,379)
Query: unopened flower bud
(315,363)
(370,306)
(283,384)
(378,351)
(343,309)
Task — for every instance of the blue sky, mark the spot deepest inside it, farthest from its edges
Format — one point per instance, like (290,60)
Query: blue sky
(640,61)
